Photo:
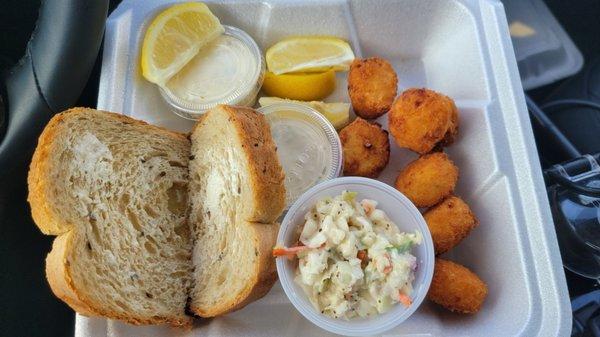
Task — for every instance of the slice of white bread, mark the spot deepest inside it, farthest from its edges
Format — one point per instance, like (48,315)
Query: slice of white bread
(236,192)
(114,191)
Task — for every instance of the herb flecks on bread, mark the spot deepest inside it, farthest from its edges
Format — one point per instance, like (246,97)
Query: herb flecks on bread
(112,189)
(236,194)
(118,192)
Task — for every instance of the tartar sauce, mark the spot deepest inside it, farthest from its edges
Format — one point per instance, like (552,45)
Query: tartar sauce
(308,148)
(353,260)
(228,70)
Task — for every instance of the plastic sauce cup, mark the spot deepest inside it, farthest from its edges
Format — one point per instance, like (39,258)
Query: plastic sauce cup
(308,146)
(229,70)
(400,210)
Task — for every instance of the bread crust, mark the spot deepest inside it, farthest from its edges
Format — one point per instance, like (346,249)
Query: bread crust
(266,179)
(266,174)
(266,201)
(265,273)
(59,276)
(265,169)
(43,216)
(58,271)
(38,182)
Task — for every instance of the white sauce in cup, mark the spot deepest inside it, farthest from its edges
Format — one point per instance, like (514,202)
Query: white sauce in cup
(229,70)
(308,146)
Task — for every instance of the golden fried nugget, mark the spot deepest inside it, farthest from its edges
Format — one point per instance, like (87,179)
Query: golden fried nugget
(452,130)
(456,288)
(449,222)
(428,179)
(420,119)
(366,148)
(372,86)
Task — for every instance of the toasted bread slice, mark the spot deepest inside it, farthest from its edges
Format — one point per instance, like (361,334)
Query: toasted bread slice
(236,193)
(114,191)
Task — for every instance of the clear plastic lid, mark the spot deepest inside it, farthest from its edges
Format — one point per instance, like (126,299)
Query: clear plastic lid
(229,70)
(308,146)
(401,211)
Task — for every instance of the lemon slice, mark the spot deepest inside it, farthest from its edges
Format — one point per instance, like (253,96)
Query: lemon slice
(174,37)
(309,54)
(337,113)
(300,86)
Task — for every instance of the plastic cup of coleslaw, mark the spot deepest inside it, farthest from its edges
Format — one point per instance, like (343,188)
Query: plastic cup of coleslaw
(400,210)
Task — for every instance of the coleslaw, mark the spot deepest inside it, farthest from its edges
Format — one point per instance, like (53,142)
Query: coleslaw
(353,261)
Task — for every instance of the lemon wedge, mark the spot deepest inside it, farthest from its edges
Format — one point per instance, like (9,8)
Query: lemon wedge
(337,113)
(309,54)
(300,86)
(174,37)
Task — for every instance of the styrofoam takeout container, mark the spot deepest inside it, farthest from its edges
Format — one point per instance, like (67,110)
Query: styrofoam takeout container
(400,210)
(549,54)
(461,48)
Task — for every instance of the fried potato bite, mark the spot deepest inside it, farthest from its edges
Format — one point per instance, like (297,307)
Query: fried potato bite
(421,119)
(372,86)
(449,222)
(456,288)
(428,179)
(366,148)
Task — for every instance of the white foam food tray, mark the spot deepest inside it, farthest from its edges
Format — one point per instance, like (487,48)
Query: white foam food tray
(460,48)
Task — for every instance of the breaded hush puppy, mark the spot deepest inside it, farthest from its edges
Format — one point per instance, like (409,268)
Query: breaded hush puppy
(449,222)
(372,86)
(456,288)
(421,119)
(366,148)
(428,180)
